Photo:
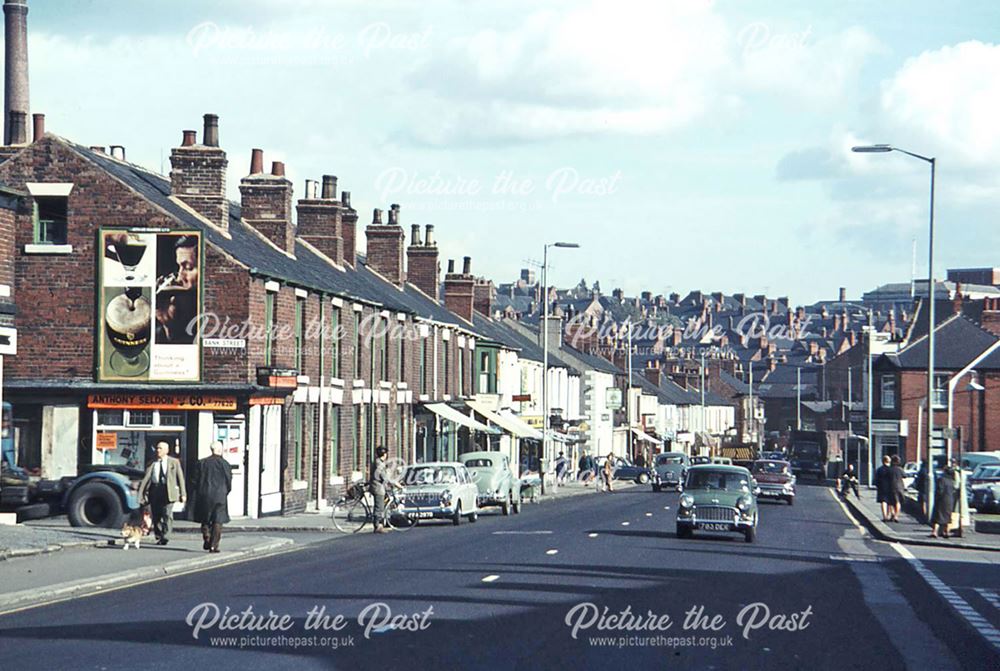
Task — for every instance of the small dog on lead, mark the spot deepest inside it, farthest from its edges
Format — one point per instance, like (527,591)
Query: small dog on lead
(132,535)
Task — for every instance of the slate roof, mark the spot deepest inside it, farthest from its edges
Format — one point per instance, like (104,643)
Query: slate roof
(309,269)
(957,341)
(500,331)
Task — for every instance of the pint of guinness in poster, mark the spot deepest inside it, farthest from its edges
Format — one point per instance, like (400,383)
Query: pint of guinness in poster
(150,298)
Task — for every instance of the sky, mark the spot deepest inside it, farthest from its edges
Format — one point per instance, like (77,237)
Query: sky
(684,144)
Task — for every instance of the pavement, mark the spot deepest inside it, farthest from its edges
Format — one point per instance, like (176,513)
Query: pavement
(582,582)
(911,530)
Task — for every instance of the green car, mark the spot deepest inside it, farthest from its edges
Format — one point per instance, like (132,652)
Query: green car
(718,498)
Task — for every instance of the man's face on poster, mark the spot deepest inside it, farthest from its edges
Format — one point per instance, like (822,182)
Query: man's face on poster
(187,267)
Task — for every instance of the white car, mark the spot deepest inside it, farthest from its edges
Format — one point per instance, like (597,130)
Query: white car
(439,490)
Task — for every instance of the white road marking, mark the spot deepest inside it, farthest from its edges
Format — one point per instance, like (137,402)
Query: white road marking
(666,507)
(491,578)
(552,552)
(847,513)
(520,533)
(975,620)
(990,596)
(591,535)
(873,560)
(649,514)
(625,524)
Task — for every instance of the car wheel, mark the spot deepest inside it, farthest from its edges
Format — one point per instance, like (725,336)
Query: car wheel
(95,505)
(791,500)
(642,479)
(507,504)
(456,518)
(749,535)
(517,506)
(473,516)
(656,487)
(683,531)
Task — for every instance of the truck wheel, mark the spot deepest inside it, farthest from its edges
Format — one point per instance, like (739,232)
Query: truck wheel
(95,505)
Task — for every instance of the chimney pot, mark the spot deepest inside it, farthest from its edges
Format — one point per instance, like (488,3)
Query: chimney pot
(210,136)
(429,236)
(39,126)
(451,266)
(393,215)
(118,151)
(189,138)
(256,161)
(277,168)
(843,294)
(311,187)
(345,198)
(377,217)
(467,265)
(98,148)
(329,187)
(415,235)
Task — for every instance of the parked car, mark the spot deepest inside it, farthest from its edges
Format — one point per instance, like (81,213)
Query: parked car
(718,498)
(972,460)
(496,483)
(775,479)
(439,490)
(623,469)
(775,455)
(723,461)
(984,488)
(669,469)
(697,461)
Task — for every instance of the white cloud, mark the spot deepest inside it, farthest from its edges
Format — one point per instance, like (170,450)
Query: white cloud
(948,100)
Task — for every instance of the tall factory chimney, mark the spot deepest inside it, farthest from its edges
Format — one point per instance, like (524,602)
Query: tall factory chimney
(15,81)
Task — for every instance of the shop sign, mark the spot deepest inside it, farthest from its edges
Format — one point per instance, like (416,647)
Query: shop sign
(161,401)
(267,400)
(282,378)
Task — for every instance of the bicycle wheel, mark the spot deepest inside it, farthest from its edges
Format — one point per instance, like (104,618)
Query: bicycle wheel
(350,515)
(397,519)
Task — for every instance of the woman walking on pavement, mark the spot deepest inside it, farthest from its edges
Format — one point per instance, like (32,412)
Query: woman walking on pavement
(945,496)
(883,488)
(606,472)
(898,487)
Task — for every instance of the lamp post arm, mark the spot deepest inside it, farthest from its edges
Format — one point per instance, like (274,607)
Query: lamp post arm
(928,159)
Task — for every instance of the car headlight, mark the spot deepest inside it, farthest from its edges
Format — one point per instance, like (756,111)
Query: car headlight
(788,487)
(446,497)
(686,501)
(744,503)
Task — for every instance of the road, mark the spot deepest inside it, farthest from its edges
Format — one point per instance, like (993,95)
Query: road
(498,594)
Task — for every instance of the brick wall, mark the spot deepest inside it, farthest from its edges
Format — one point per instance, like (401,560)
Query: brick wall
(7,225)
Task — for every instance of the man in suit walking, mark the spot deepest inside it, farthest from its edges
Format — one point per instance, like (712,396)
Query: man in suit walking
(212,484)
(162,486)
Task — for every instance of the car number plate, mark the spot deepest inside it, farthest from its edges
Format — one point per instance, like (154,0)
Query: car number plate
(713,526)
(423,514)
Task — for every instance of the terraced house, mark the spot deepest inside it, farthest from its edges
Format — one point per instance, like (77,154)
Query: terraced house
(157,308)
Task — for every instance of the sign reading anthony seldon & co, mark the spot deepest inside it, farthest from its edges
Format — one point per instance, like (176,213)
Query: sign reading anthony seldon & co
(161,401)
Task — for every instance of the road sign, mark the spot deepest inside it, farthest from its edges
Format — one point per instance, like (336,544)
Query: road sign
(613,398)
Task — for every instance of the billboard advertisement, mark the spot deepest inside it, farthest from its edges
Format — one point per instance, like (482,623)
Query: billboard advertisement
(149,296)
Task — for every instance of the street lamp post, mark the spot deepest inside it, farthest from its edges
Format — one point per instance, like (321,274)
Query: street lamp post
(881,149)
(543,461)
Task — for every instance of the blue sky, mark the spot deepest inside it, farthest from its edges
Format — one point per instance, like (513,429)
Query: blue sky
(684,145)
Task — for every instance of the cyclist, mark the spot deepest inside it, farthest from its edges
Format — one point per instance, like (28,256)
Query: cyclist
(377,485)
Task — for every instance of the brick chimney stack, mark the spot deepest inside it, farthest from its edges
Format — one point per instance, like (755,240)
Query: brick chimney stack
(319,219)
(385,246)
(991,315)
(484,293)
(423,269)
(348,228)
(843,294)
(458,289)
(198,173)
(15,90)
(267,202)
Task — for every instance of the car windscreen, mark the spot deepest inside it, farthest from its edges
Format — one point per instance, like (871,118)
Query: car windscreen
(722,480)
(430,475)
(700,460)
(665,459)
(806,450)
(987,472)
(479,463)
(770,467)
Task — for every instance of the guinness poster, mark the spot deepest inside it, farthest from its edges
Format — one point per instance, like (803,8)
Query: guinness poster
(149,297)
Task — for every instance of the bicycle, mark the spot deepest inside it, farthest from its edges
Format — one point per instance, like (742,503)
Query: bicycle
(355,510)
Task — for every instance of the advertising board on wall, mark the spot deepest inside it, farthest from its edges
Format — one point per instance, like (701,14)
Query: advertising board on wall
(149,296)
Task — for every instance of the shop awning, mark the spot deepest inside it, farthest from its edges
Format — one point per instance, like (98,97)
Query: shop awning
(515,426)
(445,411)
(642,435)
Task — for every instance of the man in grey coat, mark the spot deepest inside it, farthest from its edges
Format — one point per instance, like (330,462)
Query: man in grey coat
(377,485)
(212,484)
(161,487)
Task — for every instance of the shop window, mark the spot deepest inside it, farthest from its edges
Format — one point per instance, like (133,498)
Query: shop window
(111,417)
(50,216)
(140,418)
